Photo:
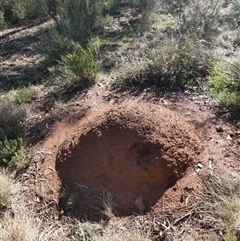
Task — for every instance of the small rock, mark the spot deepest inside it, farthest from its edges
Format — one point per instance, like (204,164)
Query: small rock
(139,204)
(234,175)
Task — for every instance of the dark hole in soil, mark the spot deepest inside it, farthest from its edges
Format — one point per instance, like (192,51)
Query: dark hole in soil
(116,161)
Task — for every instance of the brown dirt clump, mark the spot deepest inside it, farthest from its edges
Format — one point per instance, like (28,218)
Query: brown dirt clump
(134,151)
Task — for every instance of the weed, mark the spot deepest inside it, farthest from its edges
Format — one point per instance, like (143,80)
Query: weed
(118,231)
(86,230)
(69,199)
(108,204)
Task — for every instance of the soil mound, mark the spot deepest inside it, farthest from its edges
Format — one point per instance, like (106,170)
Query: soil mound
(126,157)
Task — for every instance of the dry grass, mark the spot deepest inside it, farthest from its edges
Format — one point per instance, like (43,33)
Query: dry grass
(220,209)
(116,230)
(20,223)
(6,183)
(108,204)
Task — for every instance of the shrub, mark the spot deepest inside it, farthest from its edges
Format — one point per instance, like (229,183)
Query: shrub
(14,155)
(224,84)
(3,23)
(82,64)
(26,95)
(11,117)
(13,11)
(173,65)
(201,18)
(74,27)
(11,131)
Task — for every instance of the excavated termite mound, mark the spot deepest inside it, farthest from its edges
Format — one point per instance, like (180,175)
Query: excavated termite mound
(134,152)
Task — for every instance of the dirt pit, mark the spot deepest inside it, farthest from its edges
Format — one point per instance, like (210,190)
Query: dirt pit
(127,157)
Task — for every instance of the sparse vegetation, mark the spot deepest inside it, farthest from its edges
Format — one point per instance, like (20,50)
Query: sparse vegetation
(153,46)
(173,64)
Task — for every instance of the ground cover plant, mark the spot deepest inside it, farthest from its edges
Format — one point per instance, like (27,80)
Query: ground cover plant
(182,55)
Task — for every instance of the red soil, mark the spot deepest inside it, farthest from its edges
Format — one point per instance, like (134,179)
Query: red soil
(132,150)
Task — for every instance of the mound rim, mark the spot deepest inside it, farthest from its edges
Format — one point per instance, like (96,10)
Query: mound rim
(133,150)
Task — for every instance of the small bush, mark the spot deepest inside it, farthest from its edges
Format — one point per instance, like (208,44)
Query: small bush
(74,27)
(11,117)
(13,11)
(224,84)
(14,155)
(201,18)
(82,64)
(174,64)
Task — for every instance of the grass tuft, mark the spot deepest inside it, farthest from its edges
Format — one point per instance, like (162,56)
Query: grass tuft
(6,183)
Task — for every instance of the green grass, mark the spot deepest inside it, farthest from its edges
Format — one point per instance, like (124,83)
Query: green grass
(26,95)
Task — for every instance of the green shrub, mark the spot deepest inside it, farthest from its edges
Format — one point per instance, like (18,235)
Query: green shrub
(11,117)
(54,44)
(14,155)
(224,84)
(26,95)
(82,64)
(9,149)
(13,11)
(74,27)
